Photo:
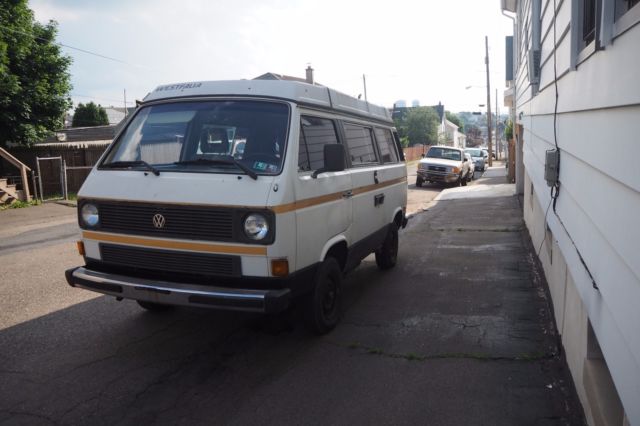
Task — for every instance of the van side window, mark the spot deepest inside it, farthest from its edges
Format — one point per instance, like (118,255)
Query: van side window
(360,144)
(315,133)
(386,145)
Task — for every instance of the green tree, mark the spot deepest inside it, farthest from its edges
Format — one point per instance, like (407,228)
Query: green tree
(508,130)
(422,126)
(89,115)
(452,117)
(34,77)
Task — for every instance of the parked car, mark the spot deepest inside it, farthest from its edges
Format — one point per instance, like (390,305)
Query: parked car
(445,165)
(478,158)
(472,167)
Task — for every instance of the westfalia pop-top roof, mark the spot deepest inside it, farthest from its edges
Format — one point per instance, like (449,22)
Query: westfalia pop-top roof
(298,92)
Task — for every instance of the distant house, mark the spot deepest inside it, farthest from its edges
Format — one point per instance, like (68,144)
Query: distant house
(273,76)
(452,136)
(99,135)
(117,114)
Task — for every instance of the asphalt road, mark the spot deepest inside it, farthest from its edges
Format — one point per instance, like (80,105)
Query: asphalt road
(421,344)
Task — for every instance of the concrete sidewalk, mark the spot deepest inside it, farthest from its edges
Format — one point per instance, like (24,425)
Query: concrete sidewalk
(469,303)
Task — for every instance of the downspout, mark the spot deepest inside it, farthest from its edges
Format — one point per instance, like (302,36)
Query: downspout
(518,148)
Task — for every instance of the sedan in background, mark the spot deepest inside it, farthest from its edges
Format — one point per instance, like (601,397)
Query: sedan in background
(472,167)
(477,157)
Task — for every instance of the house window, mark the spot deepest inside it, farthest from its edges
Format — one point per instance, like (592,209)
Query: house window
(586,39)
(588,21)
(623,6)
(315,133)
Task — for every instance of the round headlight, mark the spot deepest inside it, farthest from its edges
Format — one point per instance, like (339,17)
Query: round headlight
(89,214)
(256,226)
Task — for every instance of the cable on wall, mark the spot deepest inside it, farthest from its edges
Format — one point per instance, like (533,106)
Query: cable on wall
(555,189)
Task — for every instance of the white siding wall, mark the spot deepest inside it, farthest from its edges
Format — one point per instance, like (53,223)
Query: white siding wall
(599,202)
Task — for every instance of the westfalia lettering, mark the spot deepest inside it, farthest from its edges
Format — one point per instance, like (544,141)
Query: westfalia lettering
(181,86)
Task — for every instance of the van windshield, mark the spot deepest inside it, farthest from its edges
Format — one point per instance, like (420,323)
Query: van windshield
(207,136)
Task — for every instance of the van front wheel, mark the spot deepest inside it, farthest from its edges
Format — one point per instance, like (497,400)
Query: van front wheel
(387,255)
(322,306)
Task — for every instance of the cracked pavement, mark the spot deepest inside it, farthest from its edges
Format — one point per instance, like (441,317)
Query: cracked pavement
(460,332)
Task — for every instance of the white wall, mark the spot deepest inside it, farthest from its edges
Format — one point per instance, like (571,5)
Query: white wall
(598,132)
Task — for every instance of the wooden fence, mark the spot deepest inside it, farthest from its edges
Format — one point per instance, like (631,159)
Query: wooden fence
(77,155)
(414,152)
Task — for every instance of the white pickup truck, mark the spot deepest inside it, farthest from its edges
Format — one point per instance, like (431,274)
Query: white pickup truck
(445,165)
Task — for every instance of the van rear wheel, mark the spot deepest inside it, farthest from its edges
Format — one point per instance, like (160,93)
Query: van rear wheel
(387,255)
(322,306)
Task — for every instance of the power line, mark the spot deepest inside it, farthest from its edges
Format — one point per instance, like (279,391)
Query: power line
(100,99)
(88,52)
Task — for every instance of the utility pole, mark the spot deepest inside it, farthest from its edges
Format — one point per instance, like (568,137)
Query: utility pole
(364,81)
(125,102)
(486,61)
(497,130)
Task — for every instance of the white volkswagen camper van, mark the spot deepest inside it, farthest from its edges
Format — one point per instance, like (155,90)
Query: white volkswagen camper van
(245,195)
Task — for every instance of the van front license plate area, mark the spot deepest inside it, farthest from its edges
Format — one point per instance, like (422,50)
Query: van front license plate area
(171,261)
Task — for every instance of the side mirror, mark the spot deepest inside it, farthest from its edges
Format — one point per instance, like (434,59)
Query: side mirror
(335,159)
(464,159)
(424,155)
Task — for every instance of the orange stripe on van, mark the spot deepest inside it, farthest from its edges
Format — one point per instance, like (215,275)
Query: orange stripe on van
(171,244)
(310,202)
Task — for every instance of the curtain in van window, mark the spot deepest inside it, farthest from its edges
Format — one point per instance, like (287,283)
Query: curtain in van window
(387,146)
(315,133)
(360,144)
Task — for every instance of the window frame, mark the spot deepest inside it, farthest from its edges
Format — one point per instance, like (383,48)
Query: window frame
(336,133)
(368,126)
(392,145)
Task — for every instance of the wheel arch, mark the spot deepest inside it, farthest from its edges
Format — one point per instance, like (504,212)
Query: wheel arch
(338,248)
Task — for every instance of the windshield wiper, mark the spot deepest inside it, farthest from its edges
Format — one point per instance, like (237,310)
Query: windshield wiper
(129,164)
(223,160)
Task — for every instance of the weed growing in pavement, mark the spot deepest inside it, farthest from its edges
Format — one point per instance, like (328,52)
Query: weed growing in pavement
(18,204)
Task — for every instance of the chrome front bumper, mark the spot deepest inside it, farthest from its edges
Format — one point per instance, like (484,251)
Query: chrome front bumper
(437,176)
(170,293)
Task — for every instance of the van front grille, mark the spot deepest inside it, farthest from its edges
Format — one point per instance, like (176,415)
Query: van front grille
(188,222)
(171,261)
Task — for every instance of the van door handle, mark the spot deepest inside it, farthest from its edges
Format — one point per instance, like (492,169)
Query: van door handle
(347,194)
(375,177)
(378,200)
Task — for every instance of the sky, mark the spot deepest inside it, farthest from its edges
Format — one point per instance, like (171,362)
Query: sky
(426,50)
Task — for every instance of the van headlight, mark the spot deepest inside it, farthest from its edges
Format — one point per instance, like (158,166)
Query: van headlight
(89,215)
(256,226)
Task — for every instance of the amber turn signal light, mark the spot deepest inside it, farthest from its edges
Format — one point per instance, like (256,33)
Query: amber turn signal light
(80,246)
(280,267)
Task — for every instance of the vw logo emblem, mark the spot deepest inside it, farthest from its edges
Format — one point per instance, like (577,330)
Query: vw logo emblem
(159,221)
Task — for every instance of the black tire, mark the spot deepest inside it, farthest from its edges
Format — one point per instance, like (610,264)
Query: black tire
(154,307)
(322,306)
(419,182)
(462,181)
(387,255)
